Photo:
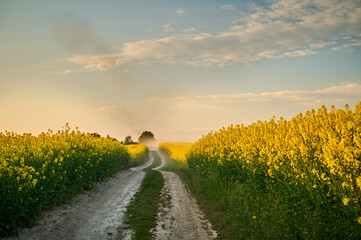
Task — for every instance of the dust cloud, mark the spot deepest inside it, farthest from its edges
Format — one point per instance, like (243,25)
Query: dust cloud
(79,36)
(76,34)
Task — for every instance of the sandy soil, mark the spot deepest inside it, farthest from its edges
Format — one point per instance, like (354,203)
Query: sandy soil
(98,214)
(180,216)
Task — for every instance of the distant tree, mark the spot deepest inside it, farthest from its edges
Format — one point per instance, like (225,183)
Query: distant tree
(128,140)
(146,137)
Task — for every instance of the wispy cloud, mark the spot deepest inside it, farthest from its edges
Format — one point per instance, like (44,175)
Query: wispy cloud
(105,108)
(50,70)
(180,11)
(342,92)
(286,28)
(228,7)
(189,30)
(299,53)
(342,37)
(64,72)
(322,44)
(347,45)
(167,28)
(97,62)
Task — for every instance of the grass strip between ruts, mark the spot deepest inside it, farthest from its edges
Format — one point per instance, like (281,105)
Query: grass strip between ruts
(143,209)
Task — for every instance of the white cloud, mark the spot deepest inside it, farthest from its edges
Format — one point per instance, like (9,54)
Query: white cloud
(188,30)
(343,37)
(346,88)
(228,7)
(180,11)
(64,72)
(96,62)
(299,53)
(342,92)
(356,43)
(322,44)
(288,28)
(167,28)
(337,48)
(353,43)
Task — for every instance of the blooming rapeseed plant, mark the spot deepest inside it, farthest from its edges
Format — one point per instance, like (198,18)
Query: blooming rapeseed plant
(319,151)
(37,172)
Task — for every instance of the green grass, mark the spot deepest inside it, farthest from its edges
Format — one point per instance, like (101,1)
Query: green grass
(156,162)
(142,211)
(248,211)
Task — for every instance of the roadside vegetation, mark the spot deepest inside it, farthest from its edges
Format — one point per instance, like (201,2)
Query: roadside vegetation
(138,154)
(38,172)
(143,210)
(297,179)
(176,150)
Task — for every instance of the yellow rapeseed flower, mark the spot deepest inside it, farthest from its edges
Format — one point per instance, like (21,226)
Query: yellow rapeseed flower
(358,181)
(345,201)
(34,182)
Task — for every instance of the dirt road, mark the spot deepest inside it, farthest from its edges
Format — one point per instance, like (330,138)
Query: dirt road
(98,214)
(180,216)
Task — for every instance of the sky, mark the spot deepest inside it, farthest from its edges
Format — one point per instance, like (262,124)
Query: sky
(177,68)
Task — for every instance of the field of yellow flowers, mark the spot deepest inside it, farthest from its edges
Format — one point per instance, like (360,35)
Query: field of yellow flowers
(138,153)
(318,152)
(39,172)
(298,178)
(176,150)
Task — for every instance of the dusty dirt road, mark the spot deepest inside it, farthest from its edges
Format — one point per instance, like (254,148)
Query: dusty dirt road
(180,216)
(98,214)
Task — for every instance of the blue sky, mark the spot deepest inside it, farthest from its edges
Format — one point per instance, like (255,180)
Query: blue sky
(176,68)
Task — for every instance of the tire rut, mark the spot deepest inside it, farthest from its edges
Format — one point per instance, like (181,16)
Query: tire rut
(180,216)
